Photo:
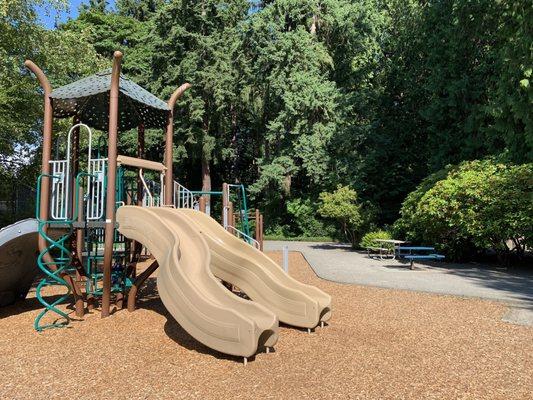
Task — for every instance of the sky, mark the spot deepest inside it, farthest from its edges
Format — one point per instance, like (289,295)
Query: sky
(49,17)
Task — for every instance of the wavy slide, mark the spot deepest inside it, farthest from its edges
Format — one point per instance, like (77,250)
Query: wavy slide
(235,261)
(189,290)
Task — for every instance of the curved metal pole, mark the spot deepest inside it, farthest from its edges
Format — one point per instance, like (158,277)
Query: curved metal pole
(169,142)
(111,182)
(45,183)
(47,147)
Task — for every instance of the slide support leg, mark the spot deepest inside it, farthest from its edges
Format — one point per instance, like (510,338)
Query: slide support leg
(132,295)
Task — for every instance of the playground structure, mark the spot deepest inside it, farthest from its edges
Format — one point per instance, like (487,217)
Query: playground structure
(101,219)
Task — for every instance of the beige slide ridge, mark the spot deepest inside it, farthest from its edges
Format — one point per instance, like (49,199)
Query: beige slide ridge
(189,290)
(235,261)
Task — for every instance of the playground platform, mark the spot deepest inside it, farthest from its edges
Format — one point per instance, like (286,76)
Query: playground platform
(381,343)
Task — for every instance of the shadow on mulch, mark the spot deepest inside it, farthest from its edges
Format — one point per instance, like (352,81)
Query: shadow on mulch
(31,304)
(149,299)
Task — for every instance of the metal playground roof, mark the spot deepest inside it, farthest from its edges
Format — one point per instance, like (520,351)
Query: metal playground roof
(88,98)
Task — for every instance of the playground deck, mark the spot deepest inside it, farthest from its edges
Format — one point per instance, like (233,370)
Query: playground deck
(382,343)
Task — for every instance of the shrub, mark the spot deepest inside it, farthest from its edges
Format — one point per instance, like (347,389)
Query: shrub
(341,205)
(476,205)
(303,214)
(369,238)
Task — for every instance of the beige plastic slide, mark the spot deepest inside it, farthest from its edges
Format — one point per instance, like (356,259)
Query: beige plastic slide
(235,261)
(188,288)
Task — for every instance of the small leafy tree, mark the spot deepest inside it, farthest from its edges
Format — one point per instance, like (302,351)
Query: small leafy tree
(369,239)
(342,206)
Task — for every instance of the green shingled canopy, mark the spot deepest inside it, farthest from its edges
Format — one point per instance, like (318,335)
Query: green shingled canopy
(88,98)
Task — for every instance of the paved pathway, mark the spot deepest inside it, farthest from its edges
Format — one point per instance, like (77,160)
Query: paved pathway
(337,262)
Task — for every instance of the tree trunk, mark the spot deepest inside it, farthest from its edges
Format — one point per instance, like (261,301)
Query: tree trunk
(312,29)
(287,185)
(206,179)
(206,175)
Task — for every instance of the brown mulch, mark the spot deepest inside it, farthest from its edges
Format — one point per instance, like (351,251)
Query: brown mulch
(380,344)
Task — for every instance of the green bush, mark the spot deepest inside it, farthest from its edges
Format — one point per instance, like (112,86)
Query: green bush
(303,213)
(369,238)
(342,206)
(476,205)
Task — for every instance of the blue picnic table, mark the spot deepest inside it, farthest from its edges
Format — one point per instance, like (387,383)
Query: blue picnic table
(414,253)
(410,253)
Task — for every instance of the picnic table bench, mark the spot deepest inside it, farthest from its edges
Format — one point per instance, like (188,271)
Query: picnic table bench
(412,257)
(396,250)
(370,250)
(384,250)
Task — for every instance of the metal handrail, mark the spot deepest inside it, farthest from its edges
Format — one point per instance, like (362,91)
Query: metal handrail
(250,240)
(141,175)
(183,197)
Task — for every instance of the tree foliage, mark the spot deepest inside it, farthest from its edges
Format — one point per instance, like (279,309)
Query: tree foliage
(474,206)
(293,98)
(21,38)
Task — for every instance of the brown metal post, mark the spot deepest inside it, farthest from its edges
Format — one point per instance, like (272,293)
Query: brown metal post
(46,153)
(169,138)
(111,182)
(225,201)
(79,232)
(261,232)
(257,231)
(136,246)
(75,240)
(140,154)
(201,204)
(75,166)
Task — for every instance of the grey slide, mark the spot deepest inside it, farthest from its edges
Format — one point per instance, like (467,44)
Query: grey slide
(18,260)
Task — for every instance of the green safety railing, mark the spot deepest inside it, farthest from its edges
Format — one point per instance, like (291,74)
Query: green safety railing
(243,208)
